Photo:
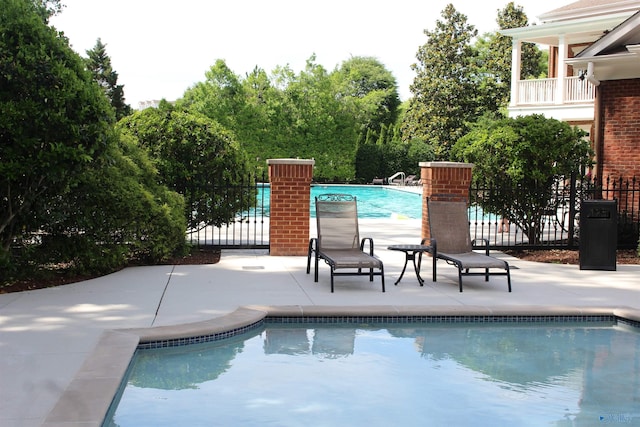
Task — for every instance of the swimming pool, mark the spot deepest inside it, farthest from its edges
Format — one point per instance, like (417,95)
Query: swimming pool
(373,201)
(369,373)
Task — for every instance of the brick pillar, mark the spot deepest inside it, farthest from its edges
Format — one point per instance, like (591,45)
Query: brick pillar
(439,178)
(290,204)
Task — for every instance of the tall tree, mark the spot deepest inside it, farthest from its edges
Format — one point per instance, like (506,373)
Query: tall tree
(444,87)
(47,8)
(54,120)
(371,88)
(99,63)
(495,57)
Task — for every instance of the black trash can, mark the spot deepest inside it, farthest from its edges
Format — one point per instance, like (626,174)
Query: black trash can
(598,234)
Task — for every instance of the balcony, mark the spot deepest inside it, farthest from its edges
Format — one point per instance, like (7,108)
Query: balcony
(568,99)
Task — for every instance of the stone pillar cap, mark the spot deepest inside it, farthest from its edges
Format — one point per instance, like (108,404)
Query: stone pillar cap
(291,161)
(445,165)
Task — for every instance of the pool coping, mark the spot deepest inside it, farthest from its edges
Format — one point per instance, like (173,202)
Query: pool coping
(88,397)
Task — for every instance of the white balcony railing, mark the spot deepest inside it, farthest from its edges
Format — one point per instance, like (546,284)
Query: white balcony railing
(545,91)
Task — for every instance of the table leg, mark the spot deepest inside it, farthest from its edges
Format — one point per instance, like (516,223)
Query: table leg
(415,267)
(410,256)
(406,260)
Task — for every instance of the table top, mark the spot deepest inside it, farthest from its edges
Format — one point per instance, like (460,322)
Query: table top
(415,248)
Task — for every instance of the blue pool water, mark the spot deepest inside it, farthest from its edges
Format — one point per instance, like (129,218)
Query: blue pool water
(404,374)
(373,201)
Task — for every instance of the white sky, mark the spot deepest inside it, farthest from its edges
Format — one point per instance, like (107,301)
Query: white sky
(160,48)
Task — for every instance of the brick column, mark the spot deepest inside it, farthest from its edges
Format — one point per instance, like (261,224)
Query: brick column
(439,178)
(290,204)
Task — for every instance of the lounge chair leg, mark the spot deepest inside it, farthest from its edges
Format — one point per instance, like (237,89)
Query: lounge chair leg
(509,278)
(382,276)
(309,252)
(332,280)
(486,274)
(434,268)
(315,276)
(460,278)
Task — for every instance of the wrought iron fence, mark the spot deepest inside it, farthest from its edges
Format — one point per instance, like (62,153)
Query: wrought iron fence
(556,225)
(247,227)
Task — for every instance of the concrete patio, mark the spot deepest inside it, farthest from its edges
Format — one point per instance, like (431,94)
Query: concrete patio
(47,335)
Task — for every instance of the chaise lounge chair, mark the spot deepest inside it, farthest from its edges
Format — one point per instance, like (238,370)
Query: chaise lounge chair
(338,242)
(451,241)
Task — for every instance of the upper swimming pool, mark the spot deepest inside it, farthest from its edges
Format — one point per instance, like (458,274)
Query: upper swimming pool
(409,374)
(373,201)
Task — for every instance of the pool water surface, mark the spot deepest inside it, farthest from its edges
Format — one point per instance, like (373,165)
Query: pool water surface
(373,201)
(404,374)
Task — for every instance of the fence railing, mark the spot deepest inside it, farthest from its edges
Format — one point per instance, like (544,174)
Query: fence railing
(558,226)
(557,223)
(247,228)
(545,91)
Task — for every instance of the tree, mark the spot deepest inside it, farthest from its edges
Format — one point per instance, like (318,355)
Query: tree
(99,64)
(54,120)
(116,212)
(47,8)
(192,153)
(494,51)
(282,115)
(522,159)
(444,87)
(372,90)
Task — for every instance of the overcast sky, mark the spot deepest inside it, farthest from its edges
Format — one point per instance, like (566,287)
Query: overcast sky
(160,48)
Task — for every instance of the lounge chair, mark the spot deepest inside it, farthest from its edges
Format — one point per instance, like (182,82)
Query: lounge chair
(411,180)
(338,242)
(451,241)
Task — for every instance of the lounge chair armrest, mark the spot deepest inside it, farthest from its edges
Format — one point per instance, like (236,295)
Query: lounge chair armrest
(432,243)
(365,239)
(485,244)
(425,240)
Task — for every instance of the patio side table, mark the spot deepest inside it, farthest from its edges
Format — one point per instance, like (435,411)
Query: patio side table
(410,252)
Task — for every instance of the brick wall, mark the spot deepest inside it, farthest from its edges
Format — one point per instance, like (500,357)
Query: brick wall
(440,180)
(620,109)
(289,206)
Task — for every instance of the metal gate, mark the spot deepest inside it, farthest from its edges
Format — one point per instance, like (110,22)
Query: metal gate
(249,226)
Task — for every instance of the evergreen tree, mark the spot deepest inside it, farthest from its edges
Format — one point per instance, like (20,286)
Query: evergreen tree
(99,63)
(54,121)
(496,58)
(444,87)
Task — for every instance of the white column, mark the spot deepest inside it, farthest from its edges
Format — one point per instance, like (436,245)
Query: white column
(562,70)
(516,54)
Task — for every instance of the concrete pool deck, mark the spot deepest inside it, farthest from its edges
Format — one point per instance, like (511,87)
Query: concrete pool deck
(47,335)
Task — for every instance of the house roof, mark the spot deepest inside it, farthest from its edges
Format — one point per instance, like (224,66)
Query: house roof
(586,8)
(616,55)
(580,22)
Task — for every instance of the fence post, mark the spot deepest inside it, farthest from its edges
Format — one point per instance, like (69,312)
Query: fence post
(449,178)
(289,206)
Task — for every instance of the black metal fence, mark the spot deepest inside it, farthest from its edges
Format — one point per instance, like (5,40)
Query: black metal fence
(249,226)
(557,225)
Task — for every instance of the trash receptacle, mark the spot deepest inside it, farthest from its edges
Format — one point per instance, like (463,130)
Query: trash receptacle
(598,234)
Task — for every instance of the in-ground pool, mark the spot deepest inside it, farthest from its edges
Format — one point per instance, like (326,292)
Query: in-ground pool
(381,374)
(373,201)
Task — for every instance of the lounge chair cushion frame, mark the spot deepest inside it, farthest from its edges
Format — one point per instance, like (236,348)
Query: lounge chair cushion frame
(341,250)
(449,224)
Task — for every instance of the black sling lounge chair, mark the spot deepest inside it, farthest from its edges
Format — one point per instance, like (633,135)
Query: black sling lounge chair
(338,242)
(451,242)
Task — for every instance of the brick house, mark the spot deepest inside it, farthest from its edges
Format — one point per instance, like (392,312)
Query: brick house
(613,65)
(594,77)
